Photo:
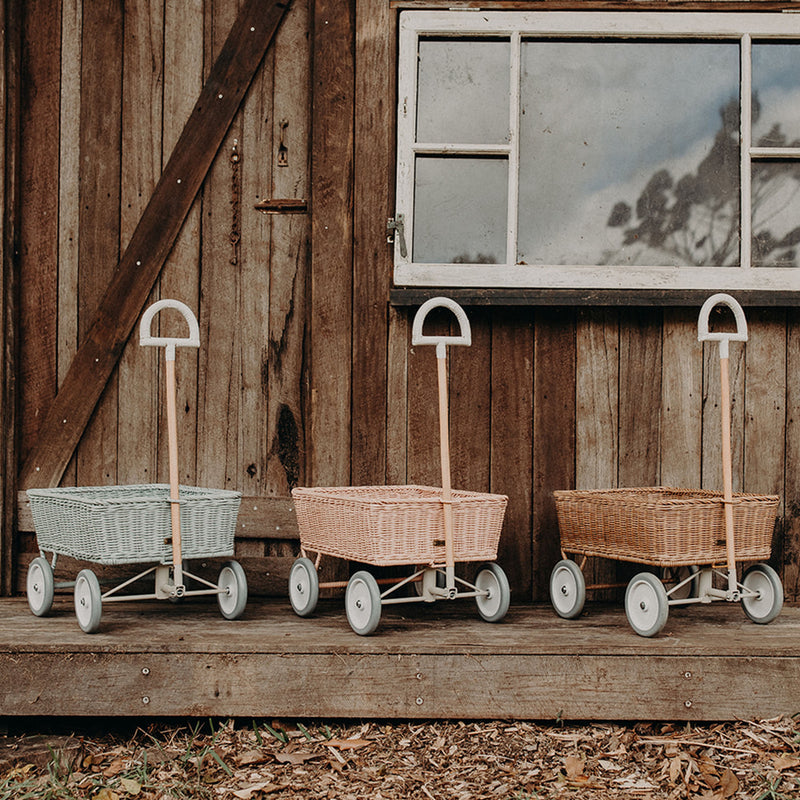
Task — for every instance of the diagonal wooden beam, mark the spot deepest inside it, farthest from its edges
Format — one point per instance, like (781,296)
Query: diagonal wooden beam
(159,226)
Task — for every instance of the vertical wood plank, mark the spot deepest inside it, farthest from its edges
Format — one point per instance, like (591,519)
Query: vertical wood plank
(712,436)
(288,301)
(791,492)
(331,243)
(640,397)
(256,263)
(597,414)
(682,392)
(397,397)
(513,414)
(69,170)
(765,410)
(553,435)
(372,268)
(10,112)
(142,112)
(219,375)
(183,80)
(99,244)
(38,219)
(471,406)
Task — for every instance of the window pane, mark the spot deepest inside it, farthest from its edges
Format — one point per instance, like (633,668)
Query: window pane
(460,210)
(629,153)
(776,94)
(776,184)
(463,91)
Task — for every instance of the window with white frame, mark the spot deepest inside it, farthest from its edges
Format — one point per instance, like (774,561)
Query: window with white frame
(599,150)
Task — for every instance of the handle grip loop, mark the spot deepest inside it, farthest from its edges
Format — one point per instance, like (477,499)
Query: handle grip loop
(723,337)
(465,333)
(170,342)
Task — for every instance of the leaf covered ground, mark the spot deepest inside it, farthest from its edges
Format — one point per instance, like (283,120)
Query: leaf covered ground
(255,760)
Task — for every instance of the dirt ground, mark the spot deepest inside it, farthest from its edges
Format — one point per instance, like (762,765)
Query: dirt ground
(255,759)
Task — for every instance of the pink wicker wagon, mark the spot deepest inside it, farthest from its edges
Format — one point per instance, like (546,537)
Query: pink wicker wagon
(430,529)
(684,532)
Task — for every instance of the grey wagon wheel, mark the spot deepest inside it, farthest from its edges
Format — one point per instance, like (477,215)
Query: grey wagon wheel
(767,602)
(40,586)
(232,583)
(493,605)
(362,602)
(88,601)
(646,604)
(567,589)
(303,587)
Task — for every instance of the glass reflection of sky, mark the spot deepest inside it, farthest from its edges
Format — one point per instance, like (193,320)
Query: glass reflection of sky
(598,119)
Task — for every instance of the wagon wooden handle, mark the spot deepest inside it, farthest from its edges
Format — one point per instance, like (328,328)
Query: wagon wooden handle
(170,343)
(464,337)
(723,337)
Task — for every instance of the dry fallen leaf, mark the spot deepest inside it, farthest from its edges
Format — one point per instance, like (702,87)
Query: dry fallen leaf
(728,784)
(250,757)
(573,766)
(347,744)
(298,757)
(785,762)
(257,788)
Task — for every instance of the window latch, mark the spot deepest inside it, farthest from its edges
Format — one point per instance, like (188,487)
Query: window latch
(395,228)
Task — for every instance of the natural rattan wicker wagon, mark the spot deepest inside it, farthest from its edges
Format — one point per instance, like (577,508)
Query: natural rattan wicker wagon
(428,528)
(686,533)
(162,523)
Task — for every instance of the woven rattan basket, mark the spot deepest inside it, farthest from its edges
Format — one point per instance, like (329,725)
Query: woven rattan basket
(385,525)
(131,524)
(662,526)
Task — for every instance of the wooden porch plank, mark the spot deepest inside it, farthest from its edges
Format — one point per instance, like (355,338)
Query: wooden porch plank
(425,662)
(152,240)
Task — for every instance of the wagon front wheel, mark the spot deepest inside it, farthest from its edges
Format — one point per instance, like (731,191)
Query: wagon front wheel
(232,585)
(763,598)
(646,604)
(40,586)
(88,601)
(303,587)
(362,602)
(496,594)
(567,589)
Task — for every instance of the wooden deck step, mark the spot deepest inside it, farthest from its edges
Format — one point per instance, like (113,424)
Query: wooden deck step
(426,661)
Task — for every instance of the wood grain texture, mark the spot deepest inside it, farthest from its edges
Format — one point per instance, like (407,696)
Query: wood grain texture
(10,113)
(333,91)
(424,662)
(513,413)
(151,241)
(38,218)
(553,435)
(597,414)
(142,113)
(373,176)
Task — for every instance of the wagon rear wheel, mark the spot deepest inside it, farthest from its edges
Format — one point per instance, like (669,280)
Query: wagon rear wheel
(40,586)
(767,601)
(493,605)
(232,597)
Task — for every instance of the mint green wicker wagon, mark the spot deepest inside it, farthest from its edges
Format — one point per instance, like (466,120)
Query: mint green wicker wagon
(163,523)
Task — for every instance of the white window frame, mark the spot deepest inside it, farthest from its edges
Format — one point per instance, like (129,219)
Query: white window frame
(741,27)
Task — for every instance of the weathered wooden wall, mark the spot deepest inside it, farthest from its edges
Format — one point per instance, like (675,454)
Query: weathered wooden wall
(305,373)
